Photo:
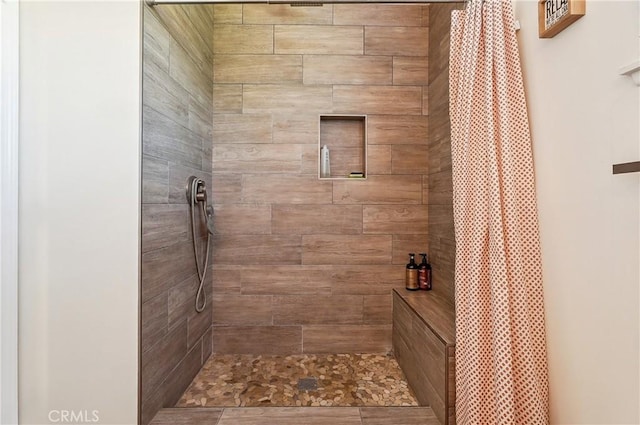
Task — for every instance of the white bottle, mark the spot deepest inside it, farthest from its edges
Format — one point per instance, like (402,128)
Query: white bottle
(325,165)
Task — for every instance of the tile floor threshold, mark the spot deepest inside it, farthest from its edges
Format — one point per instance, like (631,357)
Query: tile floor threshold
(296,416)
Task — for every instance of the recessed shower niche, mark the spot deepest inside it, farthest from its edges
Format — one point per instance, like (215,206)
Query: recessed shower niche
(346,138)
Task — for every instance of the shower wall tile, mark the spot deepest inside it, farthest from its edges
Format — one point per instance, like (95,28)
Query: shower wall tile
(425,16)
(377,14)
(317,309)
(176,143)
(346,249)
(285,98)
(301,127)
(407,100)
(227,14)
(286,280)
(395,220)
(404,244)
(307,272)
(242,39)
(242,310)
(410,70)
(244,219)
(318,39)
(242,128)
(316,219)
(440,188)
(409,159)
(257,158)
(261,249)
(397,129)
(377,309)
(257,69)
(257,339)
(396,41)
(285,189)
(347,339)
(329,69)
(285,14)
(227,98)
(155,180)
(393,189)
(379,159)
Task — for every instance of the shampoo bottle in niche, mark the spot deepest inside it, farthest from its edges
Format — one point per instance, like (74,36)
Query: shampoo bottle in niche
(424,274)
(325,165)
(411,278)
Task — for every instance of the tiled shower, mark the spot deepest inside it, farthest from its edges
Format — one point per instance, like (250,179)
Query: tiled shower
(233,94)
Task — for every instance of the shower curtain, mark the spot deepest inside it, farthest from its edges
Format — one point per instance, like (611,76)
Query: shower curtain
(501,364)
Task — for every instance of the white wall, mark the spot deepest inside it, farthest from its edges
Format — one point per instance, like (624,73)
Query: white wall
(79,209)
(585,117)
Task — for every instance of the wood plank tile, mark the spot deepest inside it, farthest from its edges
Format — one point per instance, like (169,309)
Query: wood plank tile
(393,100)
(227,14)
(310,160)
(316,219)
(242,219)
(298,128)
(377,14)
(379,190)
(263,249)
(317,309)
(291,416)
(242,309)
(180,377)
(285,189)
(227,98)
(242,39)
(164,225)
(398,416)
(425,189)
(286,14)
(404,244)
(226,188)
(180,416)
(346,249)
(286,280)
(377,309)
(425,16)
(161,358)
(155,180)
(163,268)
(286,98)
(396,41)
(392,219)
(156,41)
(241,128)
(257,158)
(379,159)
(366,280)
(409,159)
(258,69)
(189,75)
(318,40)
(153,321)
(197,325)
(257,340)
(201,118)
(347,338)
(181,300)
(329,69)
(441,188)
(227,279)
(397,129)
(164,95)
(410,70)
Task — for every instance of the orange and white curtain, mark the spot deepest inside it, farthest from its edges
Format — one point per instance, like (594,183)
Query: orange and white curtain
(501,362)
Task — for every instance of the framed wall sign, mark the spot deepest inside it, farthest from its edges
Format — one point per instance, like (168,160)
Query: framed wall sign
(556,15)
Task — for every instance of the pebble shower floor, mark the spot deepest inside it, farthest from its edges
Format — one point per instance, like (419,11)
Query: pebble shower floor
(299,380)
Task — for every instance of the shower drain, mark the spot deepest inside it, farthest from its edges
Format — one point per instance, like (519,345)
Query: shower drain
(308,384)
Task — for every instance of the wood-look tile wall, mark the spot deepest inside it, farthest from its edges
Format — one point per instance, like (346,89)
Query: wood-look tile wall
(441,231)
(177,131)
(302,264)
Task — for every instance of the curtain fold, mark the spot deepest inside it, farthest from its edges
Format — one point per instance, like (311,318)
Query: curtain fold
(501,362)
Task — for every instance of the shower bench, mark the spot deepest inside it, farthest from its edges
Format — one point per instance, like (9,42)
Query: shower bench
(424,345)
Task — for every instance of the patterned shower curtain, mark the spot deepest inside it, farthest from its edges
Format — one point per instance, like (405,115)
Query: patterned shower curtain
(501,363)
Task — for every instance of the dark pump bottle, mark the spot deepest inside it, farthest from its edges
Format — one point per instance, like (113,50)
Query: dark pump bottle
(411,279)
(424,274)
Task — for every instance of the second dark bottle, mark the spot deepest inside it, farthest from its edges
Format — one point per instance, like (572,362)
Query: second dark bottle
(424,274)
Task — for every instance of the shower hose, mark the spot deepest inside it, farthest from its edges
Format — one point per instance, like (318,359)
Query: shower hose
(201,296)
